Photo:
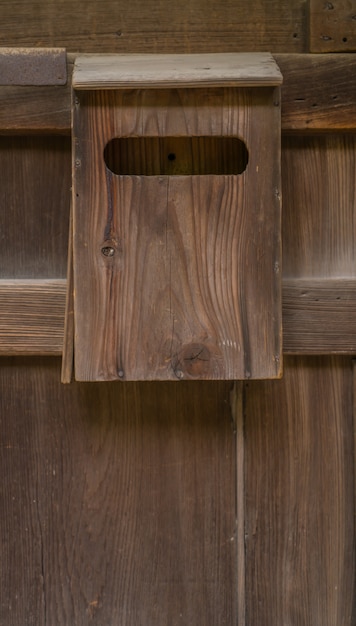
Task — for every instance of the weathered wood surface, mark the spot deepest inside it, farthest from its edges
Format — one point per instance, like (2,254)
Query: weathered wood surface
(33,66)
(37,109)
(238,417)
(68,339)
(118,501)
(319,316)
(318,94)
(32,316)
(246,69)
(34,198)
(69,457)
(299,494)
(318,240)
(319,203)
(177,276)
(118,26)
(353,620)
(332,26)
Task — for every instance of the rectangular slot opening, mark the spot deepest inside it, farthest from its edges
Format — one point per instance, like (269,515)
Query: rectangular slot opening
(176,156)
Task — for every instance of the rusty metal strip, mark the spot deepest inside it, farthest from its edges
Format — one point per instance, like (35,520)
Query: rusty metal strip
(33,66)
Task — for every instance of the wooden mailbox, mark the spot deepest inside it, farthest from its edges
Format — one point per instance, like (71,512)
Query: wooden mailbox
(176,217)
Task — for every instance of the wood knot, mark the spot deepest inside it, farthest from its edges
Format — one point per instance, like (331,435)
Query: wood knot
(194,361)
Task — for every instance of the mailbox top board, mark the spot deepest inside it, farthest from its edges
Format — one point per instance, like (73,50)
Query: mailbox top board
(115,71)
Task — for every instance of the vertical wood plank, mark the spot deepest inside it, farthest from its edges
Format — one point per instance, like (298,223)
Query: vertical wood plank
(68,339)
(319,229)
(299,469)
(237,411)
(118,501)
(34,198)
(353,620)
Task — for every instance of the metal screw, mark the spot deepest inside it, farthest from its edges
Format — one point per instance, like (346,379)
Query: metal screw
(179,373)
(108,251)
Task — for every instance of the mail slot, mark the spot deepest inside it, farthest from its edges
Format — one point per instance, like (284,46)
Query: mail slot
(176,156)
(176,217)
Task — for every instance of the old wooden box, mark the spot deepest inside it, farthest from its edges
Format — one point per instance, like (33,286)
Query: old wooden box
(176,217)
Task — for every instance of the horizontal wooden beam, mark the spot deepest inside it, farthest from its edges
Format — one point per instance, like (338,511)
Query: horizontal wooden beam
(318,316)
(318,95)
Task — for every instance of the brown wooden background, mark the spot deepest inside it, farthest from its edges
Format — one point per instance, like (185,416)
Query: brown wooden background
(181,503)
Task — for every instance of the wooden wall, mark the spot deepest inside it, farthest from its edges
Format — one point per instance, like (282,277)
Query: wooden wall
(180,503)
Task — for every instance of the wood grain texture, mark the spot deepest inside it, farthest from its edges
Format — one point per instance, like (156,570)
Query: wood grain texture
(319,229)
(34,199)
(332,26)
(319,316)
(237,412)
(37,109)
(176,276)
(118,501)
(27,110)
(299,474)
(68,339)
(246,69)
(171,26)
(353,620)
(32,316)
(318,94)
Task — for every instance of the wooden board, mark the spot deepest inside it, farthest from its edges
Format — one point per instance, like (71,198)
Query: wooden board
(177,276)
(353,618)
(118,501)
(34,196)
(237,413)
(104,71)
(318,94)
(112,498)
(319,230)
(117,26)
(37,109)
(332,26)
(299,495)
(68,339)
(32,316)
(319,316)
(318,311)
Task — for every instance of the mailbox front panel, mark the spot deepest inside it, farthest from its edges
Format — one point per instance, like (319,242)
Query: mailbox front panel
(176,203)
